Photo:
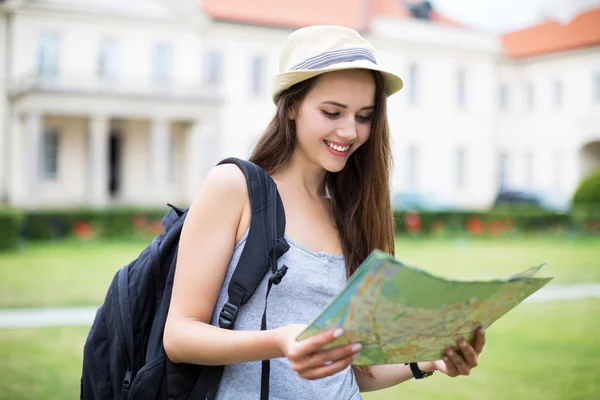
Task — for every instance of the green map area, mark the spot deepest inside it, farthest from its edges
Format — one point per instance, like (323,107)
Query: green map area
(402,314)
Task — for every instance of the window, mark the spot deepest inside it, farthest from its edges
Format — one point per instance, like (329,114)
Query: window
(461,89)
(171,155)
(107,58)
(50,154)
(529,96)
(163,63)
(503,96)
(557,164)
(48,54)
(558,93)
(503,165)
(412,169)
(213,67)
(461,168)
(258,74)
(596,87)
(529,169)
(413,77)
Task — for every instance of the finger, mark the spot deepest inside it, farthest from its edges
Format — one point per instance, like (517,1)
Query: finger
(469,353)
(479,340)
(329,356)
(313,344)
(327,370)
(449,368)
(458,361)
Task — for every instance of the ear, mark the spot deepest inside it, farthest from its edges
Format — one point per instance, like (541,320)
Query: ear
(292,111)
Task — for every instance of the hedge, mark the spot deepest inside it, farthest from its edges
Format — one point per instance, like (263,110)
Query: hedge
(125,223)
(499,221)
(10,225)
(109,223)
(588,191)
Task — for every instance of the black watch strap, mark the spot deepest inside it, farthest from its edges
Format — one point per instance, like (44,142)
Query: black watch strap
(418,374)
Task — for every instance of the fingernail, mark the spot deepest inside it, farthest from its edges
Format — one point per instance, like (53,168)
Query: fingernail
(446,359)
(450,352)
(482,330)
(329,363)
(356,347)
(338,332)
(462,343)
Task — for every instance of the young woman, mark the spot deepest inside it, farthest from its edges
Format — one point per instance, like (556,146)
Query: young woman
(328,150)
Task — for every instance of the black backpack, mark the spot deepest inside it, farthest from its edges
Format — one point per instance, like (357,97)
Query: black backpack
(123,355)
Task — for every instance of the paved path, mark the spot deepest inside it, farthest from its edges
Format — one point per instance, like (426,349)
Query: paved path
(31,318)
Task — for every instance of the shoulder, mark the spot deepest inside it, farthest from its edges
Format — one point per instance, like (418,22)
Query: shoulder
(223,189)
(224,194)
(225,179)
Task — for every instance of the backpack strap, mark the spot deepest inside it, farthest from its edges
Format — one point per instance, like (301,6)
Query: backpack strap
(264,246)
(265,242)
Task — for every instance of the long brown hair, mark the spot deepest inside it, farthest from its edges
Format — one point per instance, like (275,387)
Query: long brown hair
(360,192)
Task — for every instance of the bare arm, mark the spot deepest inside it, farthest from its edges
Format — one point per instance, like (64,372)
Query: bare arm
(206,245)
(452,364)
(217,216)
(385,376)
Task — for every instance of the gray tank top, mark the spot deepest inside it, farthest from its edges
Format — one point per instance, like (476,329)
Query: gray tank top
(312,280)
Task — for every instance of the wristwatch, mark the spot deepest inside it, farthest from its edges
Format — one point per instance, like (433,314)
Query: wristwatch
(418,374)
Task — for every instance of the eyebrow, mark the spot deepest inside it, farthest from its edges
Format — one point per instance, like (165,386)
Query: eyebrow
(335,103)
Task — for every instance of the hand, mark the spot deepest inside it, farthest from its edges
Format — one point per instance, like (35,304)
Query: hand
(454,364)
(306,356)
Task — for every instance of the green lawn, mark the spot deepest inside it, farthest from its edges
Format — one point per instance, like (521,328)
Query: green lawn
(538,351)
(568,260)
(78,273)
(62,274)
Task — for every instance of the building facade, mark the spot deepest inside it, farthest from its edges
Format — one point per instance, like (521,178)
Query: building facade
(132,104)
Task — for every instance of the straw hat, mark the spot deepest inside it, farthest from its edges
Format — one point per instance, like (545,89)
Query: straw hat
(315,50)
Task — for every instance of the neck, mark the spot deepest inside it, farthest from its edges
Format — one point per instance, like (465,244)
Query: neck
(304,175)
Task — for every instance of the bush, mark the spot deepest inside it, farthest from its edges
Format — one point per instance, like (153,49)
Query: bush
(87,223)
(588,192)
(496,222)
(10,226)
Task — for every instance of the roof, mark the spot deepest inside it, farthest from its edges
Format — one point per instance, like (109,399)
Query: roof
(356,14)
(553,37)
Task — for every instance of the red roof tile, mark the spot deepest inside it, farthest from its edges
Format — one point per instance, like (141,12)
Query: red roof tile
(552,37)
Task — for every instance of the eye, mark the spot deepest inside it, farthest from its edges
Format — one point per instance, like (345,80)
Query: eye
(331,115)
(363,118)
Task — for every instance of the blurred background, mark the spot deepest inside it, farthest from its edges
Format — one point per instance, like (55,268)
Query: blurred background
(111,109)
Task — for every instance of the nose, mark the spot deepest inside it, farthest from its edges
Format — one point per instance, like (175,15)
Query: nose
(348,131)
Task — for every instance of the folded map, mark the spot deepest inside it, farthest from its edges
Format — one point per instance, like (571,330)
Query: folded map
(403,314)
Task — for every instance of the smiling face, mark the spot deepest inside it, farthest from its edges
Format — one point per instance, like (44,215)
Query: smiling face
(334,118)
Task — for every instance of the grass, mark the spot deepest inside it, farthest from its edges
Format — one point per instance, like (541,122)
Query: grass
(538,351)
(62,274)
(569,260)
(78,273)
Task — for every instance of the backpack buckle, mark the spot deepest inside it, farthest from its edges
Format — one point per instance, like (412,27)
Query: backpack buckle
(278,276)
(228,316)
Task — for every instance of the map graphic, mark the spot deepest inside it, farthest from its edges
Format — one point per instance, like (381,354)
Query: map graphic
(403,314)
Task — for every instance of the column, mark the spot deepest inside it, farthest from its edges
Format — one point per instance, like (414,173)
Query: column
(98,160)
(33,157)
(202,155)
(16,167)
(159,156)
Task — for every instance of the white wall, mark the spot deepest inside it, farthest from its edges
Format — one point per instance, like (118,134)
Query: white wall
(434,124)
(80,37)
(553,134)
(3,105)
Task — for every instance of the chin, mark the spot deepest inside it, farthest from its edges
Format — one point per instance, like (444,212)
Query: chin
(333,166)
